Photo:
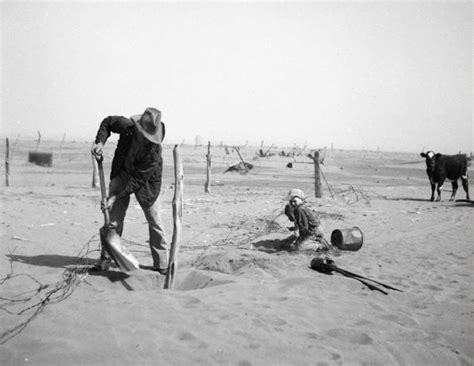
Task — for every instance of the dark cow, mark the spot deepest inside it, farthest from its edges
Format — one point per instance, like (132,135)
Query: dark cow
(441,167)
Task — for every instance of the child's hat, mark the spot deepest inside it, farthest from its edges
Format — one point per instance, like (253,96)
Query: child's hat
(295,192)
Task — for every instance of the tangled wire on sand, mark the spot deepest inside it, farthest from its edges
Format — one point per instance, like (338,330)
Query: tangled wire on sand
(249,228)
(31,303)
(353,194)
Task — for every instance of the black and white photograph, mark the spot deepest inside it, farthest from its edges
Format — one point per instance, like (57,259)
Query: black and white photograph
(236,182)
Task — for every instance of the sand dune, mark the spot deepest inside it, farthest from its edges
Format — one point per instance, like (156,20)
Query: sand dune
(239,298)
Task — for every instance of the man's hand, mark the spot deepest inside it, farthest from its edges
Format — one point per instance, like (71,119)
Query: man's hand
(97,149)
(109,204)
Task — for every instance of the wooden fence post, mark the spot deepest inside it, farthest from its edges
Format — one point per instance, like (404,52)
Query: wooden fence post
(39,140)
(197,141)
(317,175)
(13,148)
(177,218)
(268,150)
(207,185)
(237,148)
(7,163)
(61,147)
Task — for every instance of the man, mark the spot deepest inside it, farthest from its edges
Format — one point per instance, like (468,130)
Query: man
(136,168)
(307,224)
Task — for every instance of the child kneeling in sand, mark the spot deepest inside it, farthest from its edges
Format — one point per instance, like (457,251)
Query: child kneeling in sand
(307,224)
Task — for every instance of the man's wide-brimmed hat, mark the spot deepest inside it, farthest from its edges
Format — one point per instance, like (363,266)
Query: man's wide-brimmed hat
(154,131)
(295,192)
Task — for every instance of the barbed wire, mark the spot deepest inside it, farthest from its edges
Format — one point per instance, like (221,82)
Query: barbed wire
(32,302)
(352,195)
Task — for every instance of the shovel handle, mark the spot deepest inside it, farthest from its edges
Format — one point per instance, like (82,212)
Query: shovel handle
(366,278)
(103,189)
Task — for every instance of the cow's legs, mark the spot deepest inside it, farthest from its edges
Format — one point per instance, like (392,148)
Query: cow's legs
(454,183)
(433,186)
(440,188)
(465,185)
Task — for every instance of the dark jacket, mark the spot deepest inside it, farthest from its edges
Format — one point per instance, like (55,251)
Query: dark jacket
(306,222)
(141,169)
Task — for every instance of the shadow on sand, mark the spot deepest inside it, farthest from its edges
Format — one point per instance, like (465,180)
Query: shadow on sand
(69,262)
(115,276)
(408,199)
(273,245)
(464,203)
(50,260)
(459,202)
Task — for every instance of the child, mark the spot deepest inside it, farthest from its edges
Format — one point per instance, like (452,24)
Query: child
(306,223)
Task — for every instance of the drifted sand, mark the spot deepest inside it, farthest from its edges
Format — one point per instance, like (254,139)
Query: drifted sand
(238,299)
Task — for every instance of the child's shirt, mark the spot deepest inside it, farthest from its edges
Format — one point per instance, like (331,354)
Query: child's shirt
(305,221)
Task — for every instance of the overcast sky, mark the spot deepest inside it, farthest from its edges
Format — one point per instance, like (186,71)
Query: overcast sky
(397,75)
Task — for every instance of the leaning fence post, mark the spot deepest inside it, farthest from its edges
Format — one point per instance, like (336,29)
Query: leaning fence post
(207,185)
(95,171)
(177,218)
(237,148)
(7,163)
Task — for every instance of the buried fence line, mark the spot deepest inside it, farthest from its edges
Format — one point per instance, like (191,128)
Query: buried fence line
(353,194)
(350,195)
(331,191)
(248,229)
(45,294)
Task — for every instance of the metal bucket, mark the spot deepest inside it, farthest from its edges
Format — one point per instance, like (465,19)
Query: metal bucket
(347,239)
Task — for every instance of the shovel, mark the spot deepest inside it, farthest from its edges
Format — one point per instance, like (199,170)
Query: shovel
(326,265)
(109,237)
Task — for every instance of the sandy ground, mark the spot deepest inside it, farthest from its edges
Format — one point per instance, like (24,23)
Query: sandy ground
(238,300)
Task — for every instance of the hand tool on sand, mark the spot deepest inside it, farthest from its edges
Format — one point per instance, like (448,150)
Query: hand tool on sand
(326,265)
(109,237)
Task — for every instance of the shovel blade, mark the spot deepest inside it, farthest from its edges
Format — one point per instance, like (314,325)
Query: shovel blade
(121,255)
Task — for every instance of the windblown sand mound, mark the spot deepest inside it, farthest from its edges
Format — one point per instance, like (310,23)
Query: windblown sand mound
(240,298)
